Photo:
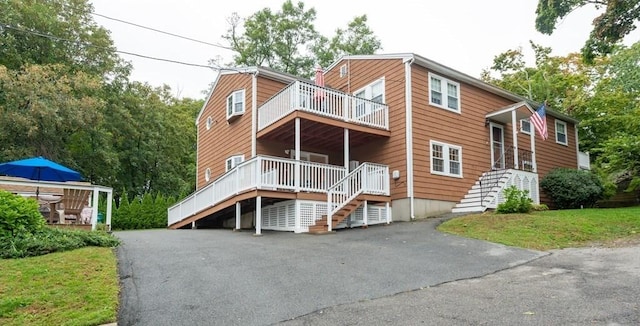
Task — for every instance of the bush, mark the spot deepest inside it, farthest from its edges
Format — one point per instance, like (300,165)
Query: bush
(540,208)
(48,240)
(570,188)
(516,201)
(18,215)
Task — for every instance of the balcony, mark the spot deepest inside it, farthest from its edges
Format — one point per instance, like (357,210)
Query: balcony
(323,102)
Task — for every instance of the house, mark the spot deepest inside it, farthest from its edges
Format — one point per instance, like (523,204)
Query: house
(393,136)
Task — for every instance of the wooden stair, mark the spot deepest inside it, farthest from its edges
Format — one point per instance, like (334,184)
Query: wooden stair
(322,227)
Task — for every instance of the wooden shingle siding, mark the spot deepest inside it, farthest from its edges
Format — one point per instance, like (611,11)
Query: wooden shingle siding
(391,151)
(466,129)
(223,139)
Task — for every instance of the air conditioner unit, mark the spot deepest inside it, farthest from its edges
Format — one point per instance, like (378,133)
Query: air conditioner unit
(353,165)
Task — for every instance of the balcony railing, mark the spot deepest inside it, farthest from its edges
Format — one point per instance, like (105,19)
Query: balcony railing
(260,172)
(508,160)
(324,102)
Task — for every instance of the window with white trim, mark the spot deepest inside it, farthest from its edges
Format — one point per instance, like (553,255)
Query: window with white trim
(209,122)
(343,70)
(561,132)
(233,161)
(310,157)
(444,93)
(373,92)
(525,126)
(235,104)
(446,159)
(207,175)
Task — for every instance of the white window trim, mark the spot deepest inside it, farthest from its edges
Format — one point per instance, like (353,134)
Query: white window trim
(445,150)
(230,163)
(233,99)
(368,95)
(528,132)
(209,122)
(443,92)
(566,132)
(207,174)
(343,70)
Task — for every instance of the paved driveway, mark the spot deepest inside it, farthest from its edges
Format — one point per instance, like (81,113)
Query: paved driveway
(219,277)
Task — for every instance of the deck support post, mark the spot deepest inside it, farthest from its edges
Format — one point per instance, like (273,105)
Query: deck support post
(534,164)
(365,217)
(297,149)
(258,215)
(109,208)
(238,215)
(94,211)
(514,132)
(346,150)
(387,212)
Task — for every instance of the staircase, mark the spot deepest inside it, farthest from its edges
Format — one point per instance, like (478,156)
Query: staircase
(483,192)
(322,226)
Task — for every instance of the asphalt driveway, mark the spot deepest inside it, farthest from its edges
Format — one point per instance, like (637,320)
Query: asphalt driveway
(219,277)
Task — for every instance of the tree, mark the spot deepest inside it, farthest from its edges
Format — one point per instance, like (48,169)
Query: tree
(287,41)
(618,20)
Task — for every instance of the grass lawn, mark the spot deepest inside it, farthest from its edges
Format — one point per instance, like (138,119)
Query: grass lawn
(78,287)
(551,229)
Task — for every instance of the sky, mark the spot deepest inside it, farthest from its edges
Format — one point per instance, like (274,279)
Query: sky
(462,34)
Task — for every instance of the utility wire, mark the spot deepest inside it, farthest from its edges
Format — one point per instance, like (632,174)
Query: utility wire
(162,32)
(53,37)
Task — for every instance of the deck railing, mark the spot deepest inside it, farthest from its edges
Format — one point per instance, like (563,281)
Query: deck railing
(368,178)
(324,102)
(260,172)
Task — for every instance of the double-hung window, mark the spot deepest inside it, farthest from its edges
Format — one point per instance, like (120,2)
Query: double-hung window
(446,159)
(525,126)
(444,93)
(235,104)
(369,98)
(561,132)
(233,161)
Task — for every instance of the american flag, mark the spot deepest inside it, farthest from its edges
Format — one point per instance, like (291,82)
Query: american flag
(539,120)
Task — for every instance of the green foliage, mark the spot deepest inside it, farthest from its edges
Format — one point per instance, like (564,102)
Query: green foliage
(570,188)
(516,201)
(286,40)
(618,20)
(48,240)
(18,216)
(145,212)
(539,207)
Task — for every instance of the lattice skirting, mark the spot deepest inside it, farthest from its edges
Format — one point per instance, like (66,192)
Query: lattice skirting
(298,215)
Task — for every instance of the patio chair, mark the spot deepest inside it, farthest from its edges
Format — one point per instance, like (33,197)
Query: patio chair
(72,203)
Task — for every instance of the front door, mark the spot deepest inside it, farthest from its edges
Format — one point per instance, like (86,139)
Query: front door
(497,146)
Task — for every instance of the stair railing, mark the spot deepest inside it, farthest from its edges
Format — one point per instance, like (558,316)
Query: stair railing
(344,191)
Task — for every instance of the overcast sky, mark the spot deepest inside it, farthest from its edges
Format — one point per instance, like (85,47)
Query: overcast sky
(462,34)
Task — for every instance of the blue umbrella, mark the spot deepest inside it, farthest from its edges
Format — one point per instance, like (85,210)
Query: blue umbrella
(40,169)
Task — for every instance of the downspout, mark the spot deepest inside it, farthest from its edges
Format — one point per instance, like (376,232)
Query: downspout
(254,112)
(409,133)
(575,129)
(197,151)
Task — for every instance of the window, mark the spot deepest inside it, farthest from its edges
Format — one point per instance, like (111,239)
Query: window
(343,70)
(207,175)
(373,92)
(233,161)
(310,157)
(235,104)
(446,159)
(209,123)
(525,126)
(561,132)
(444,93)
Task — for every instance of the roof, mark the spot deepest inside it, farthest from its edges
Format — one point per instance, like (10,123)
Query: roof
(455,74)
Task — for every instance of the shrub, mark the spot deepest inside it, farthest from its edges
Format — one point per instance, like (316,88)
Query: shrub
(516,201)
(540,207)
(48,240)
(570,188)
(18,215)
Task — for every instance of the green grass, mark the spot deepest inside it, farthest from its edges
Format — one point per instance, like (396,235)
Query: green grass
(550,229)
(78,287)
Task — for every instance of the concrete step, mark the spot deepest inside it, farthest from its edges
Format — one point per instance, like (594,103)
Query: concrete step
(474,209)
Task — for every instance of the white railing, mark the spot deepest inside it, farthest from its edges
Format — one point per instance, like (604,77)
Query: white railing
(368,178)
(260,172)
(522,180)
(324,102)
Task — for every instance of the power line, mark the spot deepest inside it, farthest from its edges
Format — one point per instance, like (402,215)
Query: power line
(53,37)
(163,32)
